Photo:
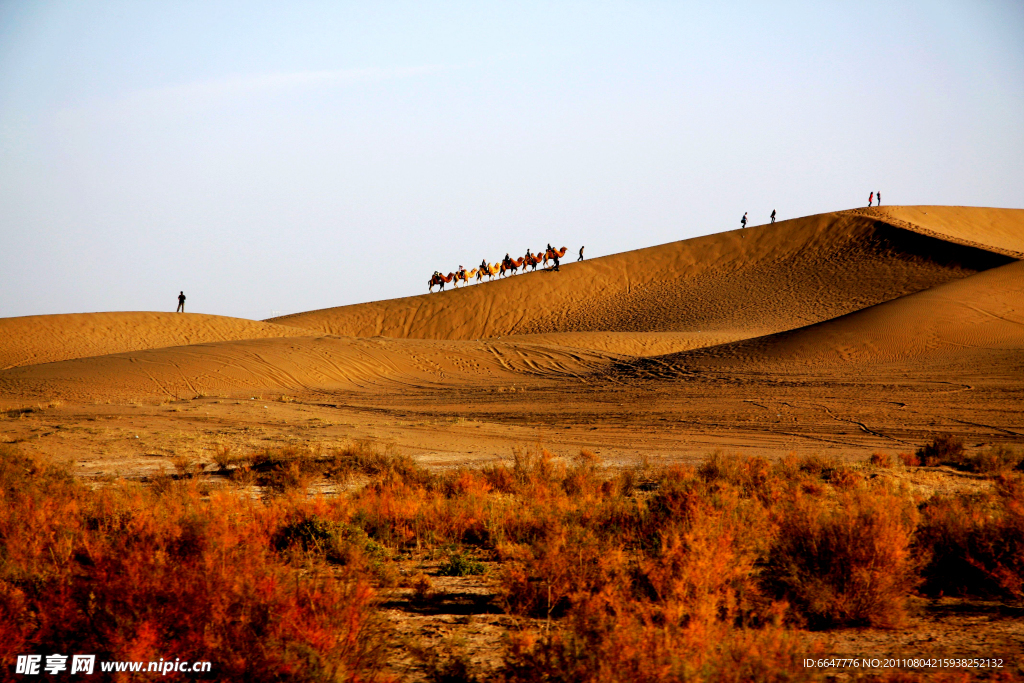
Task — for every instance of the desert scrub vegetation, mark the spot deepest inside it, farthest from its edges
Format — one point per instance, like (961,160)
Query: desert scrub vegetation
(130,573)
(975,542)
(672,573)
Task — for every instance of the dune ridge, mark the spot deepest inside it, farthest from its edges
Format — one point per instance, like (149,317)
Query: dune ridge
(34,339)
(744,283)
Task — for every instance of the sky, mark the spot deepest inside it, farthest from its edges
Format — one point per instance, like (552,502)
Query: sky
(270,158)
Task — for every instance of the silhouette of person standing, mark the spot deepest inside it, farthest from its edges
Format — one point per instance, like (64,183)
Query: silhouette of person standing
(878,196)
(581,254)
(871,198)
(181,303)
(773,215)
(743,221)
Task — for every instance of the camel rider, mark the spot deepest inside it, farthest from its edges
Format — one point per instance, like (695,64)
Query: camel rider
(483,265)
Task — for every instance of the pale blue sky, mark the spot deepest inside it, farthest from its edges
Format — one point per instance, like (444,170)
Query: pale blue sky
(278,157)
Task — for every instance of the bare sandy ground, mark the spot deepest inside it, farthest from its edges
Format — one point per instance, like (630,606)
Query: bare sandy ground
(843,334)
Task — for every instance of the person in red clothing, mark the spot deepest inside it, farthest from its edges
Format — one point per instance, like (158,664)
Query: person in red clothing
(871,198)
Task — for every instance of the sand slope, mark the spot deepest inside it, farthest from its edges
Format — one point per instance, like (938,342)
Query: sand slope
(37,339)
(289,365)
(999,230)
(740,284)
(965,320)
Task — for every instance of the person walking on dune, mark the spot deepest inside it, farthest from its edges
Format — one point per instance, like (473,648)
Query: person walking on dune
(773,215)
(181,303)
(743,221)
(581,254)
(878,196)
(871,198)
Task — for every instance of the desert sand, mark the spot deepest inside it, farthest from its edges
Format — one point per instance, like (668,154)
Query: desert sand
(847,331)
(842,333)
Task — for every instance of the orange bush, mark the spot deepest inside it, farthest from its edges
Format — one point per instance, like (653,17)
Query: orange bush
(880,459)
(129,573)
(848,563)
(975,542)
(944,448)
(909,459)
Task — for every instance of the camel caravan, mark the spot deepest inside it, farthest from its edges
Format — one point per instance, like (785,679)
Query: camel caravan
(507,266)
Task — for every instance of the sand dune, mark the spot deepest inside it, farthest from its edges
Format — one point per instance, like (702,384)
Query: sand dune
(732,285)
(37,339)
(999,230)
(838,289)
(963,321)
(298,364)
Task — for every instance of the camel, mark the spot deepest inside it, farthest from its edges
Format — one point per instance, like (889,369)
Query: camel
(438,279)
(465,276)
(512,265)
(551,253)
(531,261)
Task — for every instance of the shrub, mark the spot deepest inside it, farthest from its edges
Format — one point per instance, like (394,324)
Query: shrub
(848,564)
(382,466)
(560,570)
(975,542)
(992,460)
(879,459)
(337,542)
(817,464)
(752,474)
(944,448)
(130,573)
(909,459)
(458,564)
(499,477)
(844,477)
